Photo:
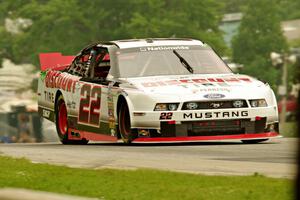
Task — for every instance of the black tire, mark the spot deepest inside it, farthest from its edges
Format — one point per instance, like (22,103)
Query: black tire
(61,129)
(62,123)
(126,133)
(254,141)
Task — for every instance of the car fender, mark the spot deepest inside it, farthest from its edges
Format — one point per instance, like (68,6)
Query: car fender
(123,96)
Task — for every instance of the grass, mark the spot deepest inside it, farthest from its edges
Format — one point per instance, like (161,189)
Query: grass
(289,129)
(139,184)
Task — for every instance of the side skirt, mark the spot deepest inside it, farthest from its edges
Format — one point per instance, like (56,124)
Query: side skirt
(74,134)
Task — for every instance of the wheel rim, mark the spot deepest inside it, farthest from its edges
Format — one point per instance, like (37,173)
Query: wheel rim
(62,118)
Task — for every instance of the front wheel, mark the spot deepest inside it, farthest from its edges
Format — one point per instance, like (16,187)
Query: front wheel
(125,130)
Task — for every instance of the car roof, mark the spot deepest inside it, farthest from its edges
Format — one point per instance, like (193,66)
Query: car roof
(132,43)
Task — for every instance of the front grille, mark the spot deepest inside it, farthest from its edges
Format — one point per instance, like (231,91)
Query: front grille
(218,127)
(213,127)
(201,105)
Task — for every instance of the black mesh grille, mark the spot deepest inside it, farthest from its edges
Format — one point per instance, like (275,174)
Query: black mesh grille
(201,105)
(213,127)
(218,127)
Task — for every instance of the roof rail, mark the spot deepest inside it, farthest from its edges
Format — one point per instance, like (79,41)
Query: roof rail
(153,39)
(186,39)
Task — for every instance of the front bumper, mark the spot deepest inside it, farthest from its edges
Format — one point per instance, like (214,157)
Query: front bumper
(152,119)
(207,125)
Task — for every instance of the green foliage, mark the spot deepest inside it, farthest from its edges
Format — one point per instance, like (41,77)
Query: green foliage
(57,26)
(8,8)
(67,26)
(177,19)
(5,44)
(289,9)
(234,6)
(139,184)
(259,35)
(289,129)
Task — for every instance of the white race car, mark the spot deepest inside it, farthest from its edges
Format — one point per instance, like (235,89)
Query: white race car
(153,90)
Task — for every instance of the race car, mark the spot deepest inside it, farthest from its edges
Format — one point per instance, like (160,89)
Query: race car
(151,91)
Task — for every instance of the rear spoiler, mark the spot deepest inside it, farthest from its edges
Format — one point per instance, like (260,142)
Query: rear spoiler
(54,61)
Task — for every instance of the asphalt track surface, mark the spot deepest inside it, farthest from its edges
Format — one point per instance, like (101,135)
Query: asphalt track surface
(275,158)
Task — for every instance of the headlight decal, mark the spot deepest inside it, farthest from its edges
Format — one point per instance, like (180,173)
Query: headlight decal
(258,103)
(166,106)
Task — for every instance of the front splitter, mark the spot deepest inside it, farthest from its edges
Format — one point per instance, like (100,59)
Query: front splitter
(215,138)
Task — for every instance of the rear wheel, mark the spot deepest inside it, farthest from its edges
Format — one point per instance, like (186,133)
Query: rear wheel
(61,120)
(62,123)
(127,134)
(254,141)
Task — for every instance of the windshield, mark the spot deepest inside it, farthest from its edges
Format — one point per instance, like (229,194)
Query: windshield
(139,62)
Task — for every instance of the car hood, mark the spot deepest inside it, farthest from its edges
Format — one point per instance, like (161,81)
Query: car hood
(201,86)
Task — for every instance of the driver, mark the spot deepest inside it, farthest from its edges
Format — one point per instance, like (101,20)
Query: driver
(102,65)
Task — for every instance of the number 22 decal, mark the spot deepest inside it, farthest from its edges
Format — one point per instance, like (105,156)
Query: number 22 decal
(89,107)
(167,115)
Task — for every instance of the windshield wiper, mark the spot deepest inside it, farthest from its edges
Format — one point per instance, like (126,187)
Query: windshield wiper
(184,62)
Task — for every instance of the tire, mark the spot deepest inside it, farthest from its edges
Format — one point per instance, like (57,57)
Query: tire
(254,141)
(62,123)
(126,133)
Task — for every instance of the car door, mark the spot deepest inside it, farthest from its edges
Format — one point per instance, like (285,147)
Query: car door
(91,95)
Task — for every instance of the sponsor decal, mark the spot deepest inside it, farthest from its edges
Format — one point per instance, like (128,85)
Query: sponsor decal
(110,106)
(201,81)
(215,105)
(209,115)
(71,104)
(43,75)
(49,96)
(64,81)
(163,48)
(143,133)
(112,132)
(214,96)
(214,90)
(46,113)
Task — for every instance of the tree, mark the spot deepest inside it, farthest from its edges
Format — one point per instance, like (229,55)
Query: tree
(289,9)
(234,6)
(178,18)
(57,26)
(67,26)
(259,34)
